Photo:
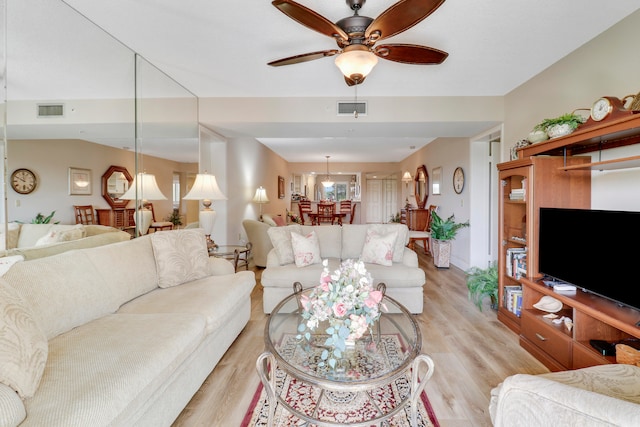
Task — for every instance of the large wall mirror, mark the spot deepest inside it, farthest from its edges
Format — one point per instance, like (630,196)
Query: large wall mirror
(116,109)
(422,186)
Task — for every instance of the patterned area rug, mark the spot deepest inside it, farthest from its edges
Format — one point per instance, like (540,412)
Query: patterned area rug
(339,408)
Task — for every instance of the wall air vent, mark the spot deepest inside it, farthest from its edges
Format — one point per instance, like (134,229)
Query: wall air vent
(50,110)
(346,108)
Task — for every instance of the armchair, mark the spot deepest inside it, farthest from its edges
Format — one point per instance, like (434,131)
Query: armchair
(261,243)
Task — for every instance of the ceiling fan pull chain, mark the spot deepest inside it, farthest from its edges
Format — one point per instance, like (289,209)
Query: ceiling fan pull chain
(355,104)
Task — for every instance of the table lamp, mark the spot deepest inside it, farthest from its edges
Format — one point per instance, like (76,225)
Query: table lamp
(206,188)
(406,178)
(261,198)
(144,188)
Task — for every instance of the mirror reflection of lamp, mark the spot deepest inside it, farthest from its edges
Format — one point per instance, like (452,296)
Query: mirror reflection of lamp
(144,188)
(406,178)
(261,198)
(206,188)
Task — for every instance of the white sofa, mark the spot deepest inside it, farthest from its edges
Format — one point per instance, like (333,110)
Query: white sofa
(605,395)
(404,278)
(38,240)
(116,335)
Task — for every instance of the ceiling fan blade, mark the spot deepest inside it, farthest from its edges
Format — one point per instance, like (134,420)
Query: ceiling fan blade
(410,54)
(400,17)
(310,19)
(303,57)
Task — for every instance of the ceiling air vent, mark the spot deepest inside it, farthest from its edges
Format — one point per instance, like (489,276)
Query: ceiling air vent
(347,108)
(50,110)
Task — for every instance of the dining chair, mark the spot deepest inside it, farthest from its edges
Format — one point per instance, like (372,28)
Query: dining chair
(84,214)
(326,212)
(304,206)
(157,225)
(423,235)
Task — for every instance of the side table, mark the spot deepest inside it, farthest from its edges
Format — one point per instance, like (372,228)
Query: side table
(237,254)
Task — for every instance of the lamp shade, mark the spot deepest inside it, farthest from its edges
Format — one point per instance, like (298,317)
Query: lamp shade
(356,62)
(144,187)
(205,187)
(407,177)
(261,196)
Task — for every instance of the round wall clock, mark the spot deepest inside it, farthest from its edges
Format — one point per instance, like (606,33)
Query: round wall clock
(458,180)
(23,181)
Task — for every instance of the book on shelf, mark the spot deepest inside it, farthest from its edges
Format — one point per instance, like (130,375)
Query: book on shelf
(516,262)
(512,299)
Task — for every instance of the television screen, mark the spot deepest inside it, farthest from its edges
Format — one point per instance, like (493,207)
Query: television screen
(592,249)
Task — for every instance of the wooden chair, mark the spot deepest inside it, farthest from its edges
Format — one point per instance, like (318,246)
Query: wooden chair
(326,211)
(353,212)
(304,206)
(157,225)
(423,235)
(84,214)
(343,211)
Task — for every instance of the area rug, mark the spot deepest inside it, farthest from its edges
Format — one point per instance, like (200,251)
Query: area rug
(339,408)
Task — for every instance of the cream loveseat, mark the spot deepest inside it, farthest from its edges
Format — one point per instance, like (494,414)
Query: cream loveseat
(605,395)
(38,240)
(117,335)
(402,275)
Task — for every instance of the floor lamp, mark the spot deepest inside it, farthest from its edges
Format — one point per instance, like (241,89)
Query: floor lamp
(143,188)
(206,188)
(406,178)
(261,198)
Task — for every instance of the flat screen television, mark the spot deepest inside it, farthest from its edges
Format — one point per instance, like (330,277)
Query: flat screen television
(595,250)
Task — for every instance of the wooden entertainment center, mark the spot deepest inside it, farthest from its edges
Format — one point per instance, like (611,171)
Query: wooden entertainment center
(553,174)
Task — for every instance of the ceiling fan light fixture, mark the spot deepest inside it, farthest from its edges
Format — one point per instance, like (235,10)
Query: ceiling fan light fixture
(356,62)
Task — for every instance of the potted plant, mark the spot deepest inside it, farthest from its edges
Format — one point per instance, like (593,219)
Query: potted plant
(442,232)
(41,219)
(175,218)
(560,126)
(483,283)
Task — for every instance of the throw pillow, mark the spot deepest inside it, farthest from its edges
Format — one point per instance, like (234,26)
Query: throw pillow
(7,261)
(378,248)
(306,249)
(181,256)
(281,241)
(280,222)
(23,346)
(62,234)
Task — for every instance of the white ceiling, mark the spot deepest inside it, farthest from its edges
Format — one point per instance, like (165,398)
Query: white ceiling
(220,49)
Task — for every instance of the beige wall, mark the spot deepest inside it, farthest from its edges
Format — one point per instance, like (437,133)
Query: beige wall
(51,159)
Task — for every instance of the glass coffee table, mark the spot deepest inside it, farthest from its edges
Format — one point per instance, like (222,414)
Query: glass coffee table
(376,378)
(237,254)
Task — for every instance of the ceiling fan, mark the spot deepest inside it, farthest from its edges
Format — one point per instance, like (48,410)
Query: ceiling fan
(357,35)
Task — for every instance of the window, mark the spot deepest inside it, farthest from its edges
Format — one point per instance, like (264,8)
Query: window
(176,191)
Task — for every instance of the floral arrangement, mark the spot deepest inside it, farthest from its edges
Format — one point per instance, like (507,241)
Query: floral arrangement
(293,218)
(347,301)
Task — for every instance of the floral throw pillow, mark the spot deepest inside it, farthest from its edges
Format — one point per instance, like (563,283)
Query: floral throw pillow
(306,249)
(281,241)
(23,345)
(378,248)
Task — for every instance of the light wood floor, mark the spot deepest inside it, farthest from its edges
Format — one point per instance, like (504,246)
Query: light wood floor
(472,351)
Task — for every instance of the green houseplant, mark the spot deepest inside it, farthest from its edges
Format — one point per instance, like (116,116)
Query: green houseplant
(559,126)
(483,283)
(41,219)
(175,218)
(442,232)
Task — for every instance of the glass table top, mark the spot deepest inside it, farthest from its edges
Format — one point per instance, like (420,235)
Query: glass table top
(376,358)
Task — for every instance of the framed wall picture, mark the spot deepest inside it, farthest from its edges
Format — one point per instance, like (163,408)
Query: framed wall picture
(280,187)
(80,183)
(436,177)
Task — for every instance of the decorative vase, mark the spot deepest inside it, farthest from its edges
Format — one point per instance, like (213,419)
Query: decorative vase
(441,252)
(537,136)
(557,131)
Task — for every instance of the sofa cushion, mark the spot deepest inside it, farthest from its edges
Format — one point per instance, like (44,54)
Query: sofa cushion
(59,233)
(306,250)
(23,346)
(7,261)
(378,249)
(283,276)
(64,291)
(181,256)
(399,275)
(111,366)
(10,241)
(281,241)
(329,238)
(214,298)
(130,266)
(401,241)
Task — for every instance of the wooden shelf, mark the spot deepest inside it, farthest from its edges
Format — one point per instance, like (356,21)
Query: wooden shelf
(614,164)
(589,138)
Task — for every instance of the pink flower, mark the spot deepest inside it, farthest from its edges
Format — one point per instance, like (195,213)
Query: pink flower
(304,300)
(339,309)
(374,299)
